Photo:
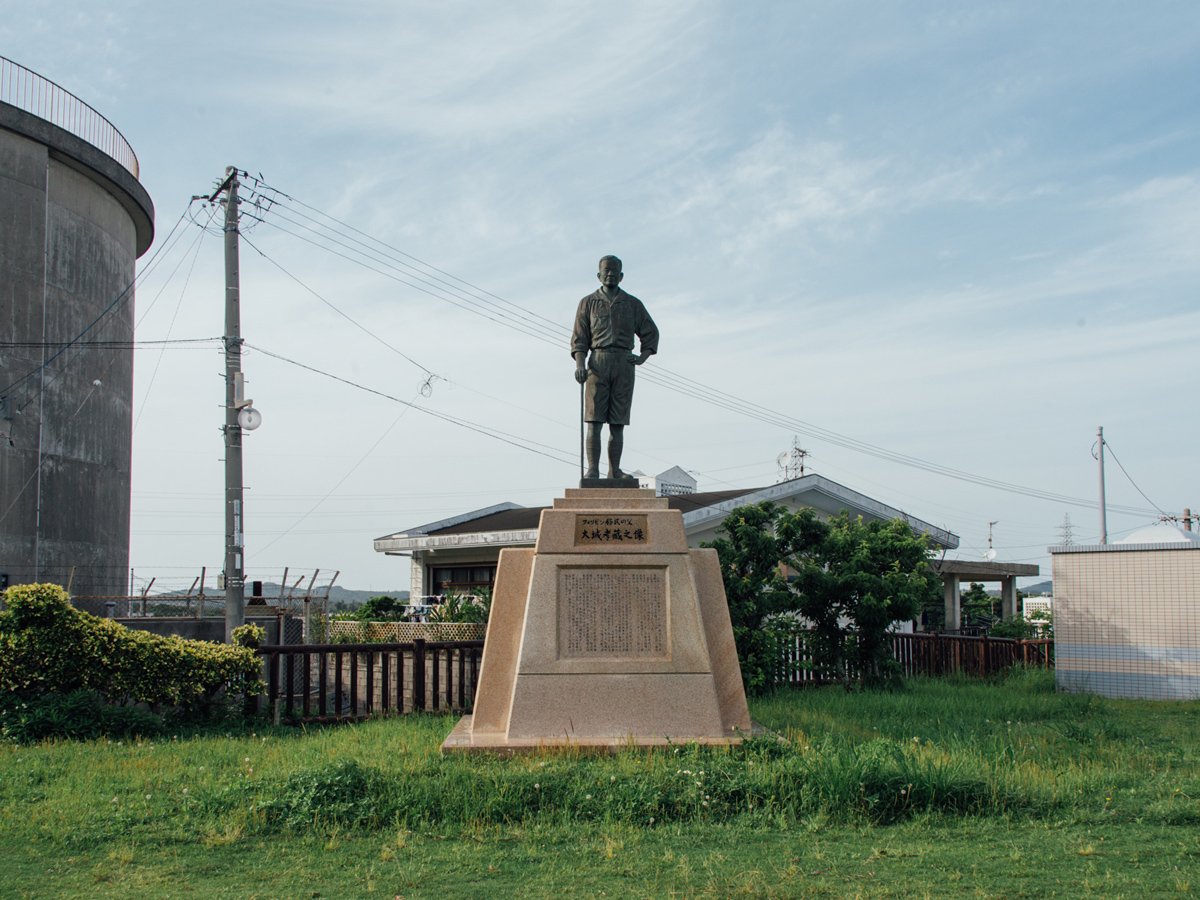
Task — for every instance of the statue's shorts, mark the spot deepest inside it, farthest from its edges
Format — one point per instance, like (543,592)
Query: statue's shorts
(609,392)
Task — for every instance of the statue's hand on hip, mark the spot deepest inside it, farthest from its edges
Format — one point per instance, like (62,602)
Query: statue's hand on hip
(638,360)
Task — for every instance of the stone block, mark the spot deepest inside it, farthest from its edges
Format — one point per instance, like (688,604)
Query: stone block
(603,641)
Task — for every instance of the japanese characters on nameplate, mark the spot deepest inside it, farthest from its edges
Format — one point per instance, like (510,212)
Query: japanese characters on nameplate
(611,530)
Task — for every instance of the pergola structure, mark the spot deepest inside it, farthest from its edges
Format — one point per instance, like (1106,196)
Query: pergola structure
(954,571)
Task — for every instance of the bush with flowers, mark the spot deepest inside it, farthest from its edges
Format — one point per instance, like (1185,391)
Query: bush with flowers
(47,646)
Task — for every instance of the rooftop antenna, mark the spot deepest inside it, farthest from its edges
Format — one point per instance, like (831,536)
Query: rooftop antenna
(991,554)
(791,462)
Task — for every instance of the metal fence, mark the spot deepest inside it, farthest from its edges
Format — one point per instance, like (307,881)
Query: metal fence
(40,96)
(302,593)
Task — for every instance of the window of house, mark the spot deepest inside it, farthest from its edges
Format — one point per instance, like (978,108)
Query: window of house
(467,578)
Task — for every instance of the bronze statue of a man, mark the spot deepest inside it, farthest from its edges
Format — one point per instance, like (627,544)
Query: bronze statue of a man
(605,324)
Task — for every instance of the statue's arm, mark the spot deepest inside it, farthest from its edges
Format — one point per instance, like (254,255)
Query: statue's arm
(647,333)
(581,340)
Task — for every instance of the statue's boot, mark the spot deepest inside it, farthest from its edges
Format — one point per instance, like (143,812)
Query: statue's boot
(616,443)
(593,451)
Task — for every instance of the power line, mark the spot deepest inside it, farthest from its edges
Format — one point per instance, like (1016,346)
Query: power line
(1131,481)
(339,311)
(62,433)
(525,312)
(170,328)
(123,295)
(540,328)
(342,481)
(112,345)
(454,420)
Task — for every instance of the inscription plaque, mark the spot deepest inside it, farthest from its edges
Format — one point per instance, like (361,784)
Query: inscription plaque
(612,613)
(592,530)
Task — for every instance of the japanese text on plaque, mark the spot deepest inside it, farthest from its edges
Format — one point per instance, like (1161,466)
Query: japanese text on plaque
(591,530)
(612,613)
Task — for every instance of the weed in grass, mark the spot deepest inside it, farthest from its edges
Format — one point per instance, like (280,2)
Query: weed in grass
(968,793)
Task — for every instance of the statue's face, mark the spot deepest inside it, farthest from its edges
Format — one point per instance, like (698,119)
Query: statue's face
(610,274)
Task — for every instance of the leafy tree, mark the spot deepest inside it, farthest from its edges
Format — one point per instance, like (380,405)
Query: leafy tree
(853,585)
(761,606)
(381,609)
(853,580)
(977,604)
(1038,625)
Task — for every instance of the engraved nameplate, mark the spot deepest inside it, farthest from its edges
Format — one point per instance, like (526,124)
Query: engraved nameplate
(592,530)
(612,613)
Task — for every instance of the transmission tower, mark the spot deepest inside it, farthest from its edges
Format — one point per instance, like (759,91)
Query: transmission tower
(1067,531)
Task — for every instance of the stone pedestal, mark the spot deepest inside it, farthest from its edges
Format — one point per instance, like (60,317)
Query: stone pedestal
(609,633)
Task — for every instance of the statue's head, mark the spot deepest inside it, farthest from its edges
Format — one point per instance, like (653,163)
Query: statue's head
(610,274)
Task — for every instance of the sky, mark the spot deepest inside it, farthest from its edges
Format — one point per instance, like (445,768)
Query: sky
(966,234)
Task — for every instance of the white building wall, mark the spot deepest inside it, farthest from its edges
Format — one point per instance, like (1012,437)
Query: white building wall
(1127,623)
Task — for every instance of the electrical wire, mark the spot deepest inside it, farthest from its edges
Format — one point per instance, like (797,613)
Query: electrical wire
(1131,481)
(123,295)
(540,328)
(113,345)
(62,433)
(353,469)
(170,328)
(454,420)
(340,312)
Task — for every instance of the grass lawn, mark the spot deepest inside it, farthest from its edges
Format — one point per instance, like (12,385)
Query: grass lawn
(948,789)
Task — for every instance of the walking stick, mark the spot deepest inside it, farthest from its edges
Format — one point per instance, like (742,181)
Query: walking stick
(582,470)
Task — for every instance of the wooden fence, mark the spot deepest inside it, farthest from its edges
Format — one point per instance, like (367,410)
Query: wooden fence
(335,682)
(934,654)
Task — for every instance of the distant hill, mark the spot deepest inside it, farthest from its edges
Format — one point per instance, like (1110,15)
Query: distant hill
(353,599)
(339,597)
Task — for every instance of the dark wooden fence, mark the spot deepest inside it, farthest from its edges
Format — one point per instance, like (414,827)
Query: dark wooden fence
(934,654)
(335,682)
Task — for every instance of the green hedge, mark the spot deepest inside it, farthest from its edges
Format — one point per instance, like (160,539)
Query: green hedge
(48,646)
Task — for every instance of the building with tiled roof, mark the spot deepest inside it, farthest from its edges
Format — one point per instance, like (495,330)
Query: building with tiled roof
(461,552)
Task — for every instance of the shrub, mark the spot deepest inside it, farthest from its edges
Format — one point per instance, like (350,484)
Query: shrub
(460,607)
(80,715)
(249,635)
(48,646)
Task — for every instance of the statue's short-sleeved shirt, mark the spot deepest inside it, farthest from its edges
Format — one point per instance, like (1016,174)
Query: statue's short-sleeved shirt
(607,328)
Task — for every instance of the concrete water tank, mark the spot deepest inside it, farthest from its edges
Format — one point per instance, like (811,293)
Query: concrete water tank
(73,220)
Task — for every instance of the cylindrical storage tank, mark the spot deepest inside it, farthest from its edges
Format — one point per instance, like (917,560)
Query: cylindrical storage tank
(73,221)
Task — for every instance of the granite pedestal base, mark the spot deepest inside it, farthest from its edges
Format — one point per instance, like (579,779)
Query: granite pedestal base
(603,483)
(609,633)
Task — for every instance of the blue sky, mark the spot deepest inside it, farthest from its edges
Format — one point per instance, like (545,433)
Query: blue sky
(966,233)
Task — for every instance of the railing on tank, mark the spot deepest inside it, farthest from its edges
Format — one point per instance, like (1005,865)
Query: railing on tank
(40,96)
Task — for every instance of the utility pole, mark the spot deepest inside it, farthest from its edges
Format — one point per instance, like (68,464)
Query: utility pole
(1100,457)
(235,595)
